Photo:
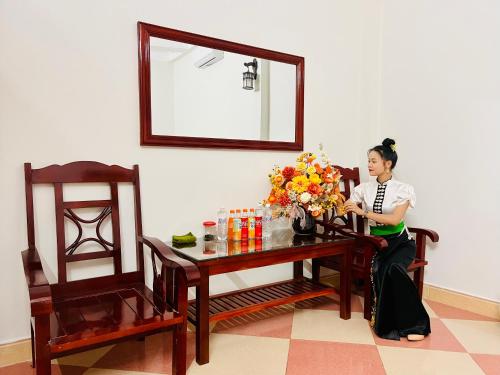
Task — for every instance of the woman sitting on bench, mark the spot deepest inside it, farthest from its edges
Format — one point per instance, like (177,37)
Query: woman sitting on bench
(397,310)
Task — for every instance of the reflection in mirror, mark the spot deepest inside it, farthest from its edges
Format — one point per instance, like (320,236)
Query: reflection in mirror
(199,92)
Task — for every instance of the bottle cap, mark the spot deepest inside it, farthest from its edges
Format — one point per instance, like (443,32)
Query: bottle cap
(245,210)
(238,210)
(252,209)
(209,223)
(231,211)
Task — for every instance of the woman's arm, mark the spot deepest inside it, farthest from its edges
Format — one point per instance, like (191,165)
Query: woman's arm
(393,218)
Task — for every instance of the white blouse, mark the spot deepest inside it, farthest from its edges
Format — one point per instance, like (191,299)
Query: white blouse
(383,198)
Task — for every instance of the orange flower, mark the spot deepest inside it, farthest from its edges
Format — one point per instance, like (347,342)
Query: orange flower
(271,199)
(288,185)
(316,213)
(327,179)
(328,169)
(319,170)
(314,189)
(297,173)
(278,180)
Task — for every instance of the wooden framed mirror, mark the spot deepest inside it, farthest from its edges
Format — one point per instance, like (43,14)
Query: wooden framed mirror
(197,91)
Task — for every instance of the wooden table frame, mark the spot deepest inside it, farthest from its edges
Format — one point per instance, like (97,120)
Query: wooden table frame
(205,309)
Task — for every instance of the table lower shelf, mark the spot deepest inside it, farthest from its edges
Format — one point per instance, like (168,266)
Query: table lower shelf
(228,305)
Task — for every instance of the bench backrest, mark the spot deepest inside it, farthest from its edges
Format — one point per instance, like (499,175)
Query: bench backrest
(85,172)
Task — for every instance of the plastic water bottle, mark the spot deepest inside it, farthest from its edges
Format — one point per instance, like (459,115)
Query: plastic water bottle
(267,220)
(222,224)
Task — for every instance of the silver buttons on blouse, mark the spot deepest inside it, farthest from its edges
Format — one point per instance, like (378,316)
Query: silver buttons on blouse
(379,199)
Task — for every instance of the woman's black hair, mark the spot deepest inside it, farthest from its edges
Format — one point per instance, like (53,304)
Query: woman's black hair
(387,151)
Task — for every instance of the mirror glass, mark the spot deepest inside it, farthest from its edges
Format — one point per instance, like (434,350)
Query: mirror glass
(205,92)
(198,92)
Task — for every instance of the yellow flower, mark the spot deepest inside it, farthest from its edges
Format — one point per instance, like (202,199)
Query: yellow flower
(311,170)
(314,178)
(278,180)
(301,166)
(300,184)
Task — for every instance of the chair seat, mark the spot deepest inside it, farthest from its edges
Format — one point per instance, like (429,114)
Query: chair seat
(103,317)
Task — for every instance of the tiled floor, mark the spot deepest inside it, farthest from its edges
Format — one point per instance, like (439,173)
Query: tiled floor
(308,338)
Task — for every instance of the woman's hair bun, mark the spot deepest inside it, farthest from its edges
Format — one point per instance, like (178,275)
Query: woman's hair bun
(388,142)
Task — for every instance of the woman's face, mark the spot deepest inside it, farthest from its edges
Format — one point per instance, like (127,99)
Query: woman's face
(377,165)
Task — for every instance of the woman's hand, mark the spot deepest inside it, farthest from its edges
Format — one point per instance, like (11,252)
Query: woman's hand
(350,206)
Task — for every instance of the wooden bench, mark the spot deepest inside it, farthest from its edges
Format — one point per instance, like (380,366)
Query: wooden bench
(74,316)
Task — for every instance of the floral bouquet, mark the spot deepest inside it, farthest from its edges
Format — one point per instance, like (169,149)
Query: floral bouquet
(309,187)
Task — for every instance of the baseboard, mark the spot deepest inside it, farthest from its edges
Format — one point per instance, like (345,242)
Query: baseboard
(15,352)
(462,301)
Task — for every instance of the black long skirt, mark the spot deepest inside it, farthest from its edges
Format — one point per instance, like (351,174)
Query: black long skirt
(398,308)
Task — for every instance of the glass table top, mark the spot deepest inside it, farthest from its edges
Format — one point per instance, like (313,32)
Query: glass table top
(209,250)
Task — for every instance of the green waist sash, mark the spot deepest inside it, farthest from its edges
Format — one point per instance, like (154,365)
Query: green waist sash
(385,230)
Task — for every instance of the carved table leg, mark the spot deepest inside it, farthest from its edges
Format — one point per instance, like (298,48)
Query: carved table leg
(298,269)
(202,327)
(315,269)
(345,285)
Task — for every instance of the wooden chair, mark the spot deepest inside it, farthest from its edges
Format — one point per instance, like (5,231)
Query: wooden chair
(366,245)
(74,316)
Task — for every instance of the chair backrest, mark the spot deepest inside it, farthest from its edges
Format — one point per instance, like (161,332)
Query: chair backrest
(350,179)
(85,172)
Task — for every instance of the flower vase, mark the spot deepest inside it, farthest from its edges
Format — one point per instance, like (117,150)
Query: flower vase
(308,226)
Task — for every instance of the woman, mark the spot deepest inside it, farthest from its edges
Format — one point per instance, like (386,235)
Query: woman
(397,310)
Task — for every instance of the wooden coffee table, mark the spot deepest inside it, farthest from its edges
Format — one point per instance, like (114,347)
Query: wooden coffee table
(214,258)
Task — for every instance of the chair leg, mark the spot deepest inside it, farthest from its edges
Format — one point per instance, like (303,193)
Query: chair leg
(42,353)
(418,279)
(179,349)
(32,346)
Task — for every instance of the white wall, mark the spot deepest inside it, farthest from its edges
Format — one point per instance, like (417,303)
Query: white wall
(69,91)
(440,101)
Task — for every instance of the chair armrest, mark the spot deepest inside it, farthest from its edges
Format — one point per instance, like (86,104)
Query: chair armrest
(433,236)
(38,286)
(170,259)
(377,242)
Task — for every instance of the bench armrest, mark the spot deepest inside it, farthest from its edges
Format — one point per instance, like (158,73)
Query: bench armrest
(377,242)
(433,236)
(38,286)
(170,259)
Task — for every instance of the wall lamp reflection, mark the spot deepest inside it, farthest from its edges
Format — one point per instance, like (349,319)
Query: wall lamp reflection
(250,76)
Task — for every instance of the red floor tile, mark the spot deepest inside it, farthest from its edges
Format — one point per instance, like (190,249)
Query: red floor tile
(440,338)
(24,368)
(154,354)
(490,364)
(449,312)
(325,358)
(275,322)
